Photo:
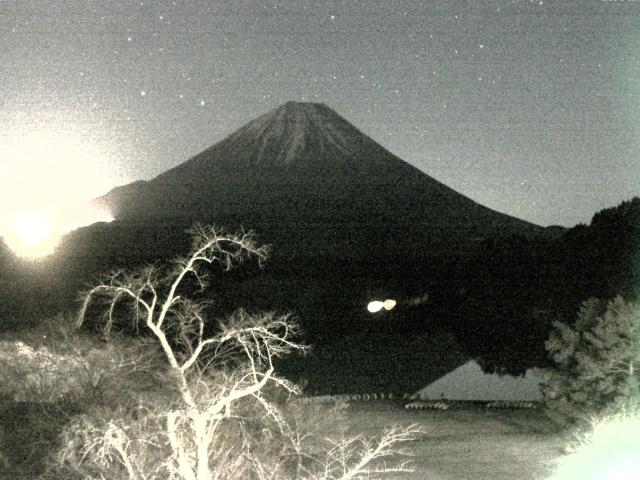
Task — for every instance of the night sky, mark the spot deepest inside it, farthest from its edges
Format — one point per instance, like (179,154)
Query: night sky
(530,108)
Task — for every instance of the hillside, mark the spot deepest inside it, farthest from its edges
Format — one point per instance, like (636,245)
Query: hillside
(312,184)
(348,222)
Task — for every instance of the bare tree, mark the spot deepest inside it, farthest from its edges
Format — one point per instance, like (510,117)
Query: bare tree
(359,457)
(213,377)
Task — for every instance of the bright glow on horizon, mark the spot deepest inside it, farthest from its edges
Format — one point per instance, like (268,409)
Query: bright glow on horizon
(29,234)
(36,234)
(47,177)
(31,227)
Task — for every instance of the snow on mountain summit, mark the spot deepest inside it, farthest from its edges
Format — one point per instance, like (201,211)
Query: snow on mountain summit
(284,133)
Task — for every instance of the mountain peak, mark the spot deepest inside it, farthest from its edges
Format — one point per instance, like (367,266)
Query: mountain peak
(293,105)
(306,108)
(296,112)
(294,132)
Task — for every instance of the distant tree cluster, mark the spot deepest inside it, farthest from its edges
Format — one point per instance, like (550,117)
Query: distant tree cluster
(515,287)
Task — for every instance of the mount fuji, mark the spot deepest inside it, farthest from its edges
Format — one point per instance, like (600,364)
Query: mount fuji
(348,222)
(310,183)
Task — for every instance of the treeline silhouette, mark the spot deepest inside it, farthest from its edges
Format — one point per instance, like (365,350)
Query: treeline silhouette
(491,299)
(516,287)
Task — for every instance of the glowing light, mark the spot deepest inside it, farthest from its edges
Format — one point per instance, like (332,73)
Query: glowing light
(389,304)
(36,234)
(47,177)
(611,451)
(31,227)
(31,235)
(375,306)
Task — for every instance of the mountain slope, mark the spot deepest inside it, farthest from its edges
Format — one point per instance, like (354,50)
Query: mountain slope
(303,176)
(348,222)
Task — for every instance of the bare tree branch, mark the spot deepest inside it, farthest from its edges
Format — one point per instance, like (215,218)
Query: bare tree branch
(215,377)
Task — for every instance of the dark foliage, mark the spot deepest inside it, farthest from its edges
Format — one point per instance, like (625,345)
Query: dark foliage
(498,301)
(516,286)
(349,222)
(595,363)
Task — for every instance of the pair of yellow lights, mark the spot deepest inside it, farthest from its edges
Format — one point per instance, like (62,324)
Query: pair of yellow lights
(378,305)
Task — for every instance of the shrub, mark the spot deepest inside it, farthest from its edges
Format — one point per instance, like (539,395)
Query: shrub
(596,362)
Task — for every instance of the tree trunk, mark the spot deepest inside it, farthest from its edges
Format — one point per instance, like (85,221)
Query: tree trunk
(202,446)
